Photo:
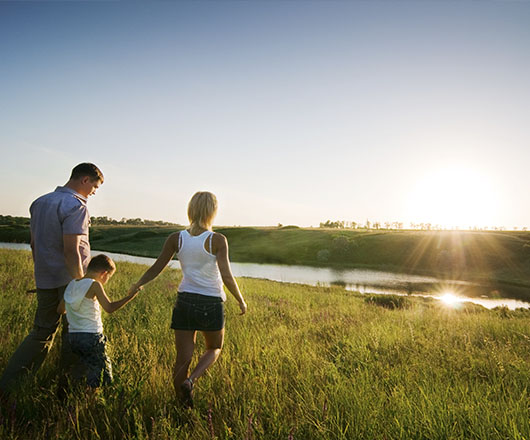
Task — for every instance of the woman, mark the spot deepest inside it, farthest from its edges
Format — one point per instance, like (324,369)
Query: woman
(203,256)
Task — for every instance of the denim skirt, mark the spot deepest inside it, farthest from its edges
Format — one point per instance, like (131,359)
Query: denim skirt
(193,311)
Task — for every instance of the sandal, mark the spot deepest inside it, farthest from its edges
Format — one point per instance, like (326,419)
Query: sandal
(186,389)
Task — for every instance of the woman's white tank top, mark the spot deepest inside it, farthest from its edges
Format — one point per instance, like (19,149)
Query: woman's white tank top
(199,267)
(83,314)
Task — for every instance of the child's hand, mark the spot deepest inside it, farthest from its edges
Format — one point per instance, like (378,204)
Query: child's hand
(135,288)
(61,310)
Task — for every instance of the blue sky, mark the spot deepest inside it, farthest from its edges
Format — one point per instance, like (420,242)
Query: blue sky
(291,112)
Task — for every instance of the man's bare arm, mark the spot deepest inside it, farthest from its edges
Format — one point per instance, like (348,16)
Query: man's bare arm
(72,256)
(32,245)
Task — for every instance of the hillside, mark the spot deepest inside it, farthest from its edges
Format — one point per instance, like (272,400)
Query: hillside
(489,257)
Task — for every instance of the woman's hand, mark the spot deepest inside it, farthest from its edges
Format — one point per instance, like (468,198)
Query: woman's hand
(243,307)
(134,288)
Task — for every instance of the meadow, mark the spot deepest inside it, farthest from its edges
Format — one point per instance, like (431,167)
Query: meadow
(304,363)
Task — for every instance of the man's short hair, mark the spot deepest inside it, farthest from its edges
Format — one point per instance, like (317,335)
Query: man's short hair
(87,169)
(101,263)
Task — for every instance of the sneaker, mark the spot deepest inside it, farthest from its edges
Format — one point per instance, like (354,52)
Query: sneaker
(186,390)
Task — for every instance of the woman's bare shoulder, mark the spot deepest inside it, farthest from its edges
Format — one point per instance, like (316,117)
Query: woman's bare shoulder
(174,237)
(219,242)
(219,237)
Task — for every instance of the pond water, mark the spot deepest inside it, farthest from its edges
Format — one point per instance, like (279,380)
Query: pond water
(364,281)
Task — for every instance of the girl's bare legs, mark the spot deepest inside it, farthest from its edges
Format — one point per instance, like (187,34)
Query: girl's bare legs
(185,344)
(214,344)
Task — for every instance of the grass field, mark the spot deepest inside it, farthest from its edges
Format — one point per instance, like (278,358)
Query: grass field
(304,363)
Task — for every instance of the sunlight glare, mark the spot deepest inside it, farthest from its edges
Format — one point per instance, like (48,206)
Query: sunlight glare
(450,299)
(454,196)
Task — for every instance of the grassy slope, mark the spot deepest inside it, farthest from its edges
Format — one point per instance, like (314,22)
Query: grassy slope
(319,363)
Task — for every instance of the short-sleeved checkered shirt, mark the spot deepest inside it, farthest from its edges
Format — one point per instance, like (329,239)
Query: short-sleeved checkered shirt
(53,215)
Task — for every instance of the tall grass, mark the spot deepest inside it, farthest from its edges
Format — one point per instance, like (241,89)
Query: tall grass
(304,363)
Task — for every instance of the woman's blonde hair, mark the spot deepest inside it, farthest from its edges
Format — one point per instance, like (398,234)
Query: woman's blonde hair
(202,209)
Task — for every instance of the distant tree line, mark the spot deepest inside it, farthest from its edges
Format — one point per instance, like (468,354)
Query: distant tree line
(100,221)
(10,220)
(341,224)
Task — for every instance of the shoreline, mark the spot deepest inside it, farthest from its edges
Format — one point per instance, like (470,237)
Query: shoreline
(434,288)
(496,259)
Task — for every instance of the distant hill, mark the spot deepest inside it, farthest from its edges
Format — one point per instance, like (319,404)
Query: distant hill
(502,257)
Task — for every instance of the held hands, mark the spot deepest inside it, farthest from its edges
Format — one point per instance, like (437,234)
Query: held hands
(134,289)
(61,310)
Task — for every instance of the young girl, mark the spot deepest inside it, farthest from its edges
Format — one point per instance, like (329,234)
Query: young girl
(203,256)
(82,299)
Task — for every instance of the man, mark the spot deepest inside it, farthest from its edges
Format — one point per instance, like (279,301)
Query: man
(61,251)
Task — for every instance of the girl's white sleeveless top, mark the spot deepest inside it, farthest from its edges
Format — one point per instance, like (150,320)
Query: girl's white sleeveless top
(199,268)
(83,314)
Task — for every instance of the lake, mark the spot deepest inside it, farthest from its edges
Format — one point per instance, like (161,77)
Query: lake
(359,280)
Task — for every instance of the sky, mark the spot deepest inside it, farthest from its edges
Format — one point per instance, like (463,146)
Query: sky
(291,112)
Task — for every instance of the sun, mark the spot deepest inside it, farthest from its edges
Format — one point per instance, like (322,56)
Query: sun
(454,196)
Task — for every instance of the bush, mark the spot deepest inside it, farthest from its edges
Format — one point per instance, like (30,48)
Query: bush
(388,301)
(323,255)
(289,227)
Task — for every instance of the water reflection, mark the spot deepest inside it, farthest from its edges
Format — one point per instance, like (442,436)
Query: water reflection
(359,280)
(450,299)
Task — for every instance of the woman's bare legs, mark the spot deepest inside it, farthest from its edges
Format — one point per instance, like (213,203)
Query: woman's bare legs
(185,344)
(214,344)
